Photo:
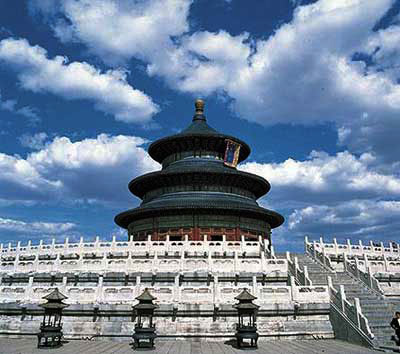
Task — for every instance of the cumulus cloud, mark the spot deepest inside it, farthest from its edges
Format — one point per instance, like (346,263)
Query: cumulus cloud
(327,178)
(340,195)
(34,142)
(307,72)
(19,180)
(36,227)
(364,219)
(94,170)
(109,90)
(118,30)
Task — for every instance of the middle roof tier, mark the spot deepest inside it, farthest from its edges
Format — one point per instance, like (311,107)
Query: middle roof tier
(199,171)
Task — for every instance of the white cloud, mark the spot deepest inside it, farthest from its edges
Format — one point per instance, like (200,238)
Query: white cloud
(207,62)
(19,180)
(118,30)
(383,47)
(364,219)
(94,170)
(10,105)
(34,142)
(326,178)
(109,91)
(36,227)
(302,74)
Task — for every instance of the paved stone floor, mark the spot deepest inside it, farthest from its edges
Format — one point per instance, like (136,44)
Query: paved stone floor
(28,346)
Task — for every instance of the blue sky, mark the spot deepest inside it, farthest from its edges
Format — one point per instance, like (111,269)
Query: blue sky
(311,86)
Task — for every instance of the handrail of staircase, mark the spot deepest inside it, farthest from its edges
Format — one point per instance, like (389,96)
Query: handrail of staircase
(321,257)
(301,276)
(270,252)
(366,277)
(352,313)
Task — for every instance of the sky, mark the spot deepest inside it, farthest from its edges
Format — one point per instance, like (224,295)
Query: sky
(312,86)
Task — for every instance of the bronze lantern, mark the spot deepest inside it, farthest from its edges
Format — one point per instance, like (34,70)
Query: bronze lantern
(246,328)
(51,327)
(145,329)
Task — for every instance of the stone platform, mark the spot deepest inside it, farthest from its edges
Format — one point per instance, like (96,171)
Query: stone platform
(28,346)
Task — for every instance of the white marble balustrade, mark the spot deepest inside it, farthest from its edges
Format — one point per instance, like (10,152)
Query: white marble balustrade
(131,261)
(143,247)
(371,250)
(215,293)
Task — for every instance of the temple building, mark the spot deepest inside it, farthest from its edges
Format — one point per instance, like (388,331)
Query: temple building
(199,192)
(199,243)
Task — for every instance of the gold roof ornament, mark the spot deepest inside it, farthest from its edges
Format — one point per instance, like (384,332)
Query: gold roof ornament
(199,104)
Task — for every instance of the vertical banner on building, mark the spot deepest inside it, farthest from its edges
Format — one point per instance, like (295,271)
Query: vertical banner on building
(231,153)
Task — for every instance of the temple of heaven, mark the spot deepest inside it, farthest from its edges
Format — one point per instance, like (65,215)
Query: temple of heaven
(199,192)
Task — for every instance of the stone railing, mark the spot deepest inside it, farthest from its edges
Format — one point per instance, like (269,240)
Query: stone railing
(312,250)
(366,277)
(378,264)
(301,276)
(268,249)
(214,293)
(254,247)
(130,261)
(351,312)
(371,250)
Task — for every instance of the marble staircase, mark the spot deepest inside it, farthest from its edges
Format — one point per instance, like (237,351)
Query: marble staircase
(376,308)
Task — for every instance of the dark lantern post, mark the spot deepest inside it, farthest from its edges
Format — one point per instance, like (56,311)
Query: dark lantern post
(246,327)
(145,329)
(51,328)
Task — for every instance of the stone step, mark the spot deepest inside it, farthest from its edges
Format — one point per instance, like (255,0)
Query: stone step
(351,287)
(380,332)
(361,294)
(385,341)
(359,290)
(384,328)
(318,277)
(343,279)
(375,302)
(352,291)
(376,318)
(318,274)
(379,319)
(374,307)
(354,286)
(363,299)
(385,337)
(386,344)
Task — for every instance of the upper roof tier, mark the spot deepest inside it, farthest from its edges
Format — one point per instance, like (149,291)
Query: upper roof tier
(198,135)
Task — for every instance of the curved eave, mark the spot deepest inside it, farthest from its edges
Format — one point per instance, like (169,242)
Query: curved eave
(164,147)
(142,184)
(273,218)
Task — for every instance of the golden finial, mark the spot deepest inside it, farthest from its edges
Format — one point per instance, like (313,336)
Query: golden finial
(199,104)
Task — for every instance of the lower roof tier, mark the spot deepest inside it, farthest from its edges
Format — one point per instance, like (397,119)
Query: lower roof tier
(200,203)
